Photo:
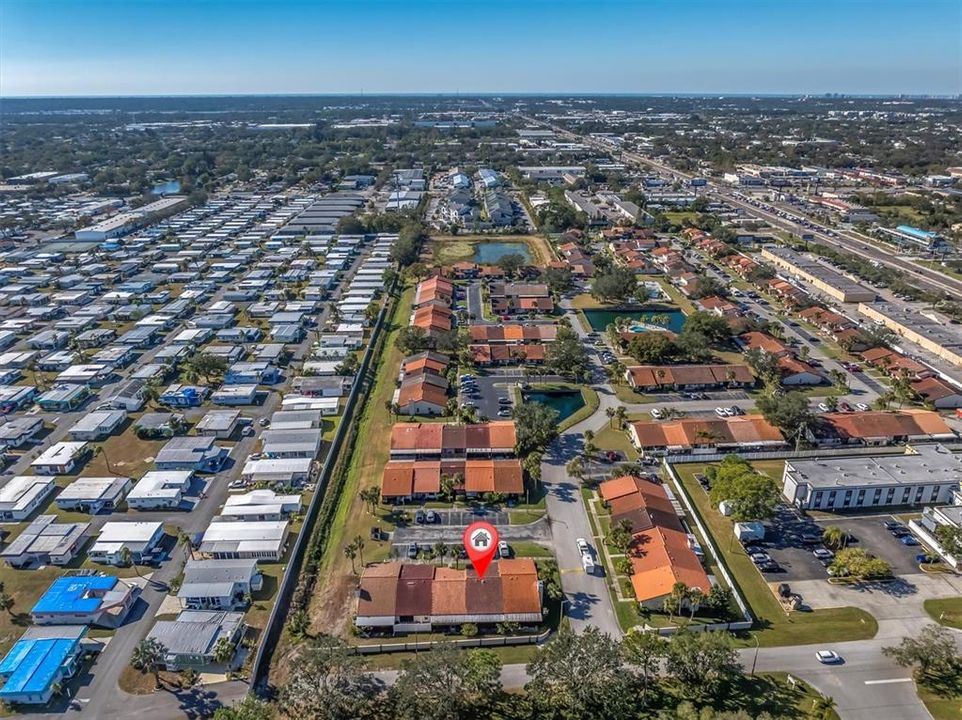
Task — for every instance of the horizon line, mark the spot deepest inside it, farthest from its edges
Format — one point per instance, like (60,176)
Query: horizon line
(458,93)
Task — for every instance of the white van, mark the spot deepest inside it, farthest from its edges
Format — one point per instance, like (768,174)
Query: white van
(588,563)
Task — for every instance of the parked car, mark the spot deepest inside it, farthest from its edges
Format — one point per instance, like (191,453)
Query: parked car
(412,551)
(720,412)
(823,554)
(908,540)
(822,407)
(420,517)
(612,456)
(503,549)
(504,412)
(657,414)
(582,545)
(861,407)
(431,516)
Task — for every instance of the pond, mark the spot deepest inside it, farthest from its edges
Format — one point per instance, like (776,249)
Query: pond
(488,253)
(166,188)
(566,402)
(655,315)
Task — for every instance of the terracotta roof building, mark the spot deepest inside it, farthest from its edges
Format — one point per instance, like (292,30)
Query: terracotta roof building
(688,377)
(403,597)
(742,432)
(415,479)
(437,440)
(881,428)
(661,552)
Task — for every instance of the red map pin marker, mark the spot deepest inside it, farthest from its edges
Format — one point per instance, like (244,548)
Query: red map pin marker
(480,543)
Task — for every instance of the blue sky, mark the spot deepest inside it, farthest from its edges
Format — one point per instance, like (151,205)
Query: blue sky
(130,47)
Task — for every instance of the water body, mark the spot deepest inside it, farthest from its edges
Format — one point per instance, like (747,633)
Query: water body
(488,253)
(166,188)
(600,319)
(566,402)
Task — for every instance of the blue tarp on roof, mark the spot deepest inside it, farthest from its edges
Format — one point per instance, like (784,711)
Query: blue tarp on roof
(33,665)
(70,594)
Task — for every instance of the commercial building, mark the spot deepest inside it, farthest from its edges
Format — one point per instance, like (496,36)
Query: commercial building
(919,325)
(924,475)
(821,277)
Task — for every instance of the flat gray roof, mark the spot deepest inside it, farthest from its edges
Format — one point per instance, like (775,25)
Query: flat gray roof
(929,464)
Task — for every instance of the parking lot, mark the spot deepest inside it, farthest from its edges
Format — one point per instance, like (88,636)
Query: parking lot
(871,535)
(791,540)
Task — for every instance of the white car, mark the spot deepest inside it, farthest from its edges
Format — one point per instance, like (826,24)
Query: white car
(657,414)
(828,657)
(861,407)
(823,407)
(582,545)
(503,549)
(720,412)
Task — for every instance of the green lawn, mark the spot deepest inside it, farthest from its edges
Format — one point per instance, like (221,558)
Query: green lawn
(947,611)
(609,438)
(942,706)
(773,625)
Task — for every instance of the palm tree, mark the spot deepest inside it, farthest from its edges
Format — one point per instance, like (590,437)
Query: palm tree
(823,708)
(610,412)
(371,496)
(695,596)
(223,651)
(834,537)
(679,592)
(350,552)
(621,415)
(440,549)
(127,559)
(359,544)
(149,656)
(183,537)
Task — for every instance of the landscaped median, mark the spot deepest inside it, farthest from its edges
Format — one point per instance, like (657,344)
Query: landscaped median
(773,625)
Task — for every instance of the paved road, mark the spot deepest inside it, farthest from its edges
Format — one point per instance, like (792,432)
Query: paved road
(867,686)
(587,600)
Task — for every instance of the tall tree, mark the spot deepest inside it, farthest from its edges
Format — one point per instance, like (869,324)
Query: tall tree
(535,426)
(327,682)
(701,662)
(932,653)
(446,683)
(581,676)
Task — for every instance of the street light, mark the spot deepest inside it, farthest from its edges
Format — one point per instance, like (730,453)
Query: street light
(754,659)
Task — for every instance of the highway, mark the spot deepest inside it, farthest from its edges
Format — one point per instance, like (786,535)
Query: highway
(846,240)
